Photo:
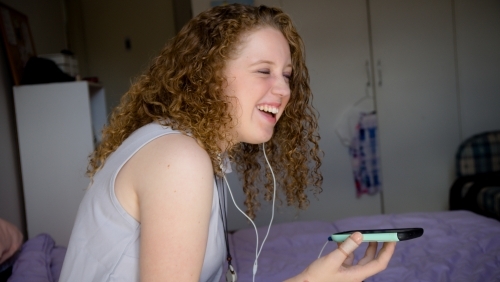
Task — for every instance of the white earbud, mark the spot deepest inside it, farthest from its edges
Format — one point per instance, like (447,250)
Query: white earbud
(231,275)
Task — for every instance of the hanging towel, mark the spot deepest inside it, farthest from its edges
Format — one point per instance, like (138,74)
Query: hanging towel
(365,157)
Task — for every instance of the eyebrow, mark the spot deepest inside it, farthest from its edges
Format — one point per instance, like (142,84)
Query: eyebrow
(267,62)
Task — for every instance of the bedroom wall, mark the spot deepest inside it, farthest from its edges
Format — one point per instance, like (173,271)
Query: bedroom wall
(108,24)
(11,199)
(478,45)
(46,24)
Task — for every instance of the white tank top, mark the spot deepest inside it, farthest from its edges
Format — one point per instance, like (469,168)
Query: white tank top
(104,243)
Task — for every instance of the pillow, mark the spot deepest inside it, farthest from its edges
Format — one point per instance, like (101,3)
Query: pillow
(11,240)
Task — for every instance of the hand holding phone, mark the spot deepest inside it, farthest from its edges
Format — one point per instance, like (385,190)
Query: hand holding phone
(381,235)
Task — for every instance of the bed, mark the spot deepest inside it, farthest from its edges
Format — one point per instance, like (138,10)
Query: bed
(456,246)
(462,244)
(38,260)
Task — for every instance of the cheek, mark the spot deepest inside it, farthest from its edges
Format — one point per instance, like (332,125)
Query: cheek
(285,100)
(235,107)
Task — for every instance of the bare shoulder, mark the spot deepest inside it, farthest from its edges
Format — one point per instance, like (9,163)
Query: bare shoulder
(170,168)
(171,155)
(175,147)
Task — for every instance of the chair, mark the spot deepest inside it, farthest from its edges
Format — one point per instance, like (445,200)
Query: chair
(477,187)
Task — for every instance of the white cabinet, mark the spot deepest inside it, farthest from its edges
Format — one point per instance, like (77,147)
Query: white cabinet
(58,125)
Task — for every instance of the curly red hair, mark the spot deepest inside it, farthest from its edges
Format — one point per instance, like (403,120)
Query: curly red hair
(184,88)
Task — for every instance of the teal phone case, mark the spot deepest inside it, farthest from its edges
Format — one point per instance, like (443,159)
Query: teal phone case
(381,235)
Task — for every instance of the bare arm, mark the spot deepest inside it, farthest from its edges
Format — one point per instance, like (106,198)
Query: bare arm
(173,180)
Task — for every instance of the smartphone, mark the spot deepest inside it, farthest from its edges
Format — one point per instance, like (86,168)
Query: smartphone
(381,235)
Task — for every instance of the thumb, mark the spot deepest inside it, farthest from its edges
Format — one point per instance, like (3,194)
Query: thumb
(346,248)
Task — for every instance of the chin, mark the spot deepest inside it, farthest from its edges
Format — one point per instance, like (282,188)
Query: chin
(260,139)
(258,135)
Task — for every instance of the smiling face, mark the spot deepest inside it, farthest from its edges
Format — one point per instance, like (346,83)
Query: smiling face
(258,77)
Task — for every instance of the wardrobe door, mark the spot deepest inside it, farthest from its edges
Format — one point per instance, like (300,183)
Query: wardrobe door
(478,49)
(336,39)
(416,100)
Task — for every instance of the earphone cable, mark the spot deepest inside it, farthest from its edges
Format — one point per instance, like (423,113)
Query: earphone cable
(274,200)
(320,252)
(257,251)
(242,212)
(223,216)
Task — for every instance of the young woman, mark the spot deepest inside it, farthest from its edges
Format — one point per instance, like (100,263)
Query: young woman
(233,78)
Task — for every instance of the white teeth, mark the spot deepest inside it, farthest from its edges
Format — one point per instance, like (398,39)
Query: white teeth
(269,109)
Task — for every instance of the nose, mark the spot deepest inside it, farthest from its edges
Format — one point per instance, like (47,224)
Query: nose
(281,87)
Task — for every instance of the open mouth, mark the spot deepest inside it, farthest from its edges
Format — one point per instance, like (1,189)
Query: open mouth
(269,113)
(268,110)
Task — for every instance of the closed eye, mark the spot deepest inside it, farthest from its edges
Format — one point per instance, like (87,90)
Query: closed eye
(264,71)
(287,76)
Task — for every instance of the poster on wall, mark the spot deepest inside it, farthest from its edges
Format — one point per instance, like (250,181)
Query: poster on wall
(218,3)
(17,39)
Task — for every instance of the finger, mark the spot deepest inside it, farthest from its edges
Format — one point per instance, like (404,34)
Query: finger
(339,255)
(349,260)
(361,272)
(381,261)
(370,253)
(387,251)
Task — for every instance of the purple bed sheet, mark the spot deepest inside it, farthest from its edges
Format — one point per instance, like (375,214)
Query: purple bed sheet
(456,246)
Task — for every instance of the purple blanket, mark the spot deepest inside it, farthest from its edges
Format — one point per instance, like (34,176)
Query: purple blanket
(456,246)
(39,260)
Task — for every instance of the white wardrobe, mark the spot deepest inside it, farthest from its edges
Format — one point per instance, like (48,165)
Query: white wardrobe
(417,101)
(430,69)
(58,125)
(434,67)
